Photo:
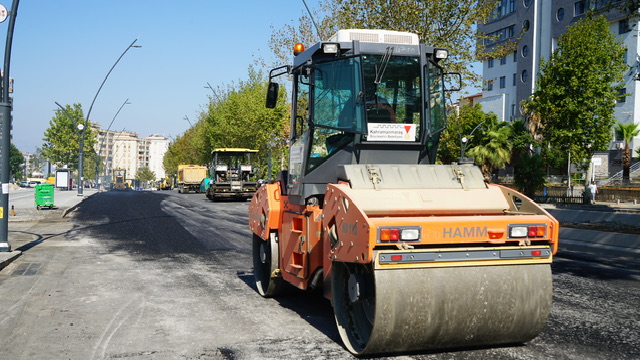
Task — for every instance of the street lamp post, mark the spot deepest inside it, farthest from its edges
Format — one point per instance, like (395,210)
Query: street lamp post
(84,130)
(464,142)
(5,133)
(106,135)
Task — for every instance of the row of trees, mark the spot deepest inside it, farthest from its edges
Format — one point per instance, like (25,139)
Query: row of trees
(236,117)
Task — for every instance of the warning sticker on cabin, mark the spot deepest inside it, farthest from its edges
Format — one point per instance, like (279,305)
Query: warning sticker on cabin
(391,132)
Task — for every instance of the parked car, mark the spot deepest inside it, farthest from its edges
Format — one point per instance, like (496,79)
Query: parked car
(23,184)
(33,183)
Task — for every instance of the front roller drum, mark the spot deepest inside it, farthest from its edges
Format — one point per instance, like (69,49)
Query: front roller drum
(400,310)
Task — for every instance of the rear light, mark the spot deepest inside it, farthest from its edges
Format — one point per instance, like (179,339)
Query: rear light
(527,231)
(389,234)
(398,234)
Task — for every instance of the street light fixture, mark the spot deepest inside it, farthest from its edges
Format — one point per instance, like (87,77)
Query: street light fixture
(80,153)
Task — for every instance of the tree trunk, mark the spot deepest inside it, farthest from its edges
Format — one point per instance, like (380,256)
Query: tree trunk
(626,164)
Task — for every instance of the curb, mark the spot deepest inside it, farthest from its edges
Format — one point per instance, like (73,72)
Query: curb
(7,257)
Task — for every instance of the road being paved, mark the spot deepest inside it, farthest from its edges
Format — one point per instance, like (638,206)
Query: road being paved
(158,275)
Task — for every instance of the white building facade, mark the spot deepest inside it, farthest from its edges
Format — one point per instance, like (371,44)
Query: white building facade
(158,146)
(125,150)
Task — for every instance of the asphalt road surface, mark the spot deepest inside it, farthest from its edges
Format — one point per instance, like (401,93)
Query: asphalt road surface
(161,275)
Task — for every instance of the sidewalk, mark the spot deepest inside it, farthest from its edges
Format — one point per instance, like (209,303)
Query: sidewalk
(24,212)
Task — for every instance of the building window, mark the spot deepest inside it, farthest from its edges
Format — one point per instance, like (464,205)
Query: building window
(500,35)
(503,82)
(489,85)
(524,76)
(527,3)
(578,8)
(515,76)
(513,109)
(622,95)
(560,14)
(525,51)
(503,60)
(515,56)
(490,63)
(525,26)
(623,26)
(503,7)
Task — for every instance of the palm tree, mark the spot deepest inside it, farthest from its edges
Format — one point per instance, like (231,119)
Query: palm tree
(626,132)
(494,146)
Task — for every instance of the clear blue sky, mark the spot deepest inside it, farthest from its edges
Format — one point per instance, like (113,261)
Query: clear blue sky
(62,51)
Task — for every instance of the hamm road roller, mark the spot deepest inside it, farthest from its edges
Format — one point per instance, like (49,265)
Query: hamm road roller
(412,255)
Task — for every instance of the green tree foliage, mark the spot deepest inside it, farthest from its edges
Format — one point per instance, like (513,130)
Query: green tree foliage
(235,118)
(448,23)
(62,141)
(145,175)
(522,141)
(491,145)
(460,123)
(530,174)
(38,161)
(16,160)
(577,89)
(626,132)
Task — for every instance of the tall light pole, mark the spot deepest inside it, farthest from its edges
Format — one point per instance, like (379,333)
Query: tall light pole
(84,130)
(5,143)
(106,136)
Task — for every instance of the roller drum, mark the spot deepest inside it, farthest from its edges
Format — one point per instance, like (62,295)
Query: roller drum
(398,310)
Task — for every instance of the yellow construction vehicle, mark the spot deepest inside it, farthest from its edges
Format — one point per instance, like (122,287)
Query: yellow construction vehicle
(165,184)
(119,180)
(413,256)
(190,177)
(232,175)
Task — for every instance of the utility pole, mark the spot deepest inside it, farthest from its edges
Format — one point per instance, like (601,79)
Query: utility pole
(5,130)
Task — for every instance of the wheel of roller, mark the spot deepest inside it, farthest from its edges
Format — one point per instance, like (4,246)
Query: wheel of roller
(400,310)
(265,263)
(354,302)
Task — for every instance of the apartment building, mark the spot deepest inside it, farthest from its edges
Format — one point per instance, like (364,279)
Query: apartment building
(158,146)
(536,25)
(125,150)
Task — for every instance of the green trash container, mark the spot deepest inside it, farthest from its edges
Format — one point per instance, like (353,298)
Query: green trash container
(44,196)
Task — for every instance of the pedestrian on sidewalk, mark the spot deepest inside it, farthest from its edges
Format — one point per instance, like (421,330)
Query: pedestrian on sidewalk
(593,188)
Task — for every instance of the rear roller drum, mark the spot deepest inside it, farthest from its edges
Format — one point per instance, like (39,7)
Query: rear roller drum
(265,264)
(399,310)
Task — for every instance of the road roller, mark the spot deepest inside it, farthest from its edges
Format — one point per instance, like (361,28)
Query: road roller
(413,256)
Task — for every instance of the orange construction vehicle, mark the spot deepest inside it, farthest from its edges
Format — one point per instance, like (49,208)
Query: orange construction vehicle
(413,256)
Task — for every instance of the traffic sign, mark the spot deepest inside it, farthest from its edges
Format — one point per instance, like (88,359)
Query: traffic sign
(3,13)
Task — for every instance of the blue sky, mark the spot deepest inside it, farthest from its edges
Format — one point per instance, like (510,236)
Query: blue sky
(62,51)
